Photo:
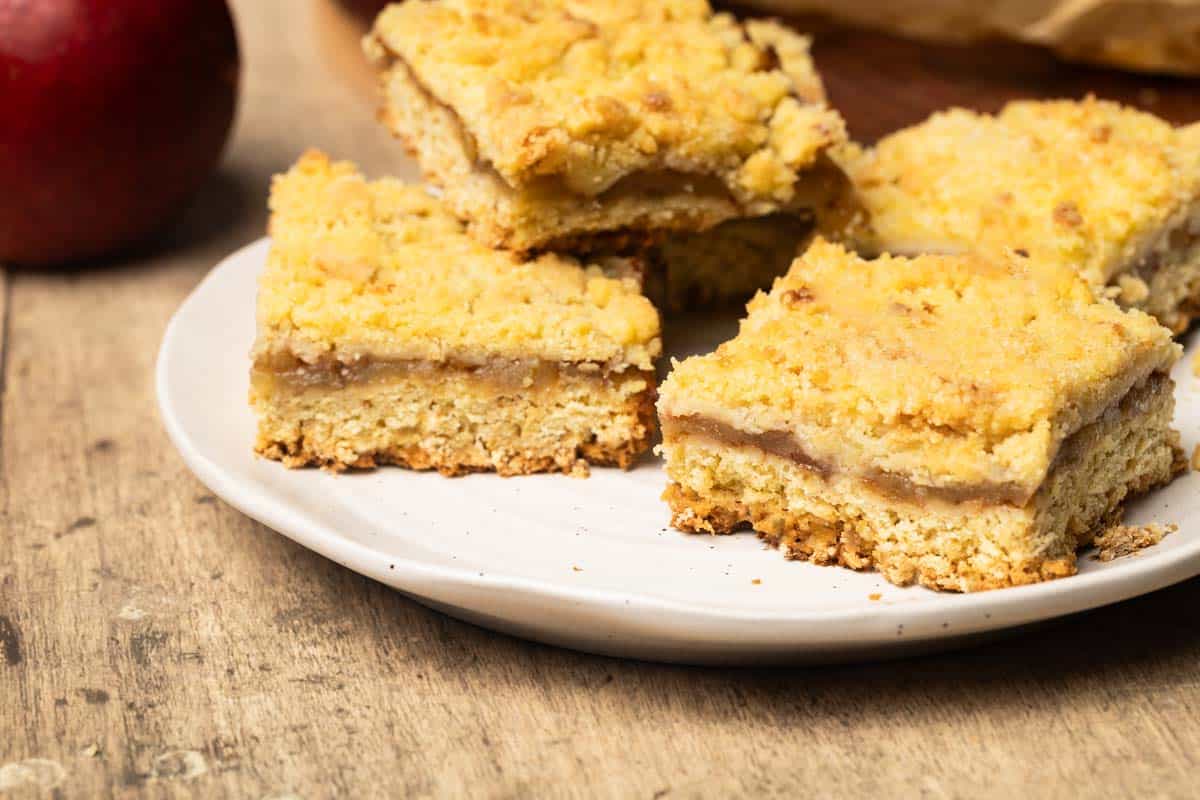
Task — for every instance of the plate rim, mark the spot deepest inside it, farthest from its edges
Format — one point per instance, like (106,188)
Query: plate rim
(1016,605)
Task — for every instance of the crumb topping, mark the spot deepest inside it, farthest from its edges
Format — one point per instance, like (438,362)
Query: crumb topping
(592,91)
(966,367)
(360,269)
(1082,183)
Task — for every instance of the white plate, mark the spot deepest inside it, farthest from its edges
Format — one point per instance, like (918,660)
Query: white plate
(592,564)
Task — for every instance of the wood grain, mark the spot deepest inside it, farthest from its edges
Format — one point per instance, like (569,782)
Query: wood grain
(3,338)
(882,83)
(154,642)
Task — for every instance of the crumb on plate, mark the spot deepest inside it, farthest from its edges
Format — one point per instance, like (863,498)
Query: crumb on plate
(1125,540)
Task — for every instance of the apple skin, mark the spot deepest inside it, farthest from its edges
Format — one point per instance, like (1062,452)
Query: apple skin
(113,113)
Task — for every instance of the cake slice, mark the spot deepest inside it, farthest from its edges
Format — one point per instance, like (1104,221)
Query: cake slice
(1110,191)
(386,335)
(549,123)
(964,422)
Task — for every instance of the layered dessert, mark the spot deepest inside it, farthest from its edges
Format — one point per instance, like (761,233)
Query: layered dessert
(387,335)
(551,124)
(1108,190)
(964,422)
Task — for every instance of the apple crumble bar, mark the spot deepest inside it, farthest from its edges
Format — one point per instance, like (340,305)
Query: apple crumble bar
(960,421)
(1109,190)
(387,335)
(547,123)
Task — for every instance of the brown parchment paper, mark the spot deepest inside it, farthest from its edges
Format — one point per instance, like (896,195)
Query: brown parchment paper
(1146,35)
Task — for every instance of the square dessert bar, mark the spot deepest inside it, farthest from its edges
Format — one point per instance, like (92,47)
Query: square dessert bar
(1110,191)
(964,422)
(387,335)
(547,123)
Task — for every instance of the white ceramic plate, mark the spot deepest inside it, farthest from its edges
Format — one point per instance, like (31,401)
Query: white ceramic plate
(592,564)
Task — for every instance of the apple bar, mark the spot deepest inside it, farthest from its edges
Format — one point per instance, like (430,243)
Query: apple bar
(554,125)
(1106,189)
(964,422)
(387,335)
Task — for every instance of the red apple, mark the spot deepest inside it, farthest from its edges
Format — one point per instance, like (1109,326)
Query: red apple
(111,114)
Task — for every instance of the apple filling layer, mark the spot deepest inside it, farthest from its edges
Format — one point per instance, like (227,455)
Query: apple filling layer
(786,445)
(498,375)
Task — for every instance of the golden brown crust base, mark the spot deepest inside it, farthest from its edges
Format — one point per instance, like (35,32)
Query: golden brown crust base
(299,454)
(805,538)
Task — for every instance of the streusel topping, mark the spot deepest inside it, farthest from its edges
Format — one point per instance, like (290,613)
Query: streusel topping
(1082,183)
(381,270)
(594,90)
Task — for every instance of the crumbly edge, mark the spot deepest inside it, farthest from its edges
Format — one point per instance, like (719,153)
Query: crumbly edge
(452,422)
(973,546)
(717,269)
(501,216)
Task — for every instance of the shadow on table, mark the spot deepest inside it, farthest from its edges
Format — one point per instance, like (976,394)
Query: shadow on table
(1154,634)
(227,211)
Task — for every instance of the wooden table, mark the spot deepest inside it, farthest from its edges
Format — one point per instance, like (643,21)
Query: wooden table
(154,641)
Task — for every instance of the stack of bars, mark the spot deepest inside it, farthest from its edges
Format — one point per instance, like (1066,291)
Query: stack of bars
(959,376)
(586,157)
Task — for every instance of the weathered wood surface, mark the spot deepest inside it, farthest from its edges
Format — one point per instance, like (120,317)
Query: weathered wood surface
(155,642)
